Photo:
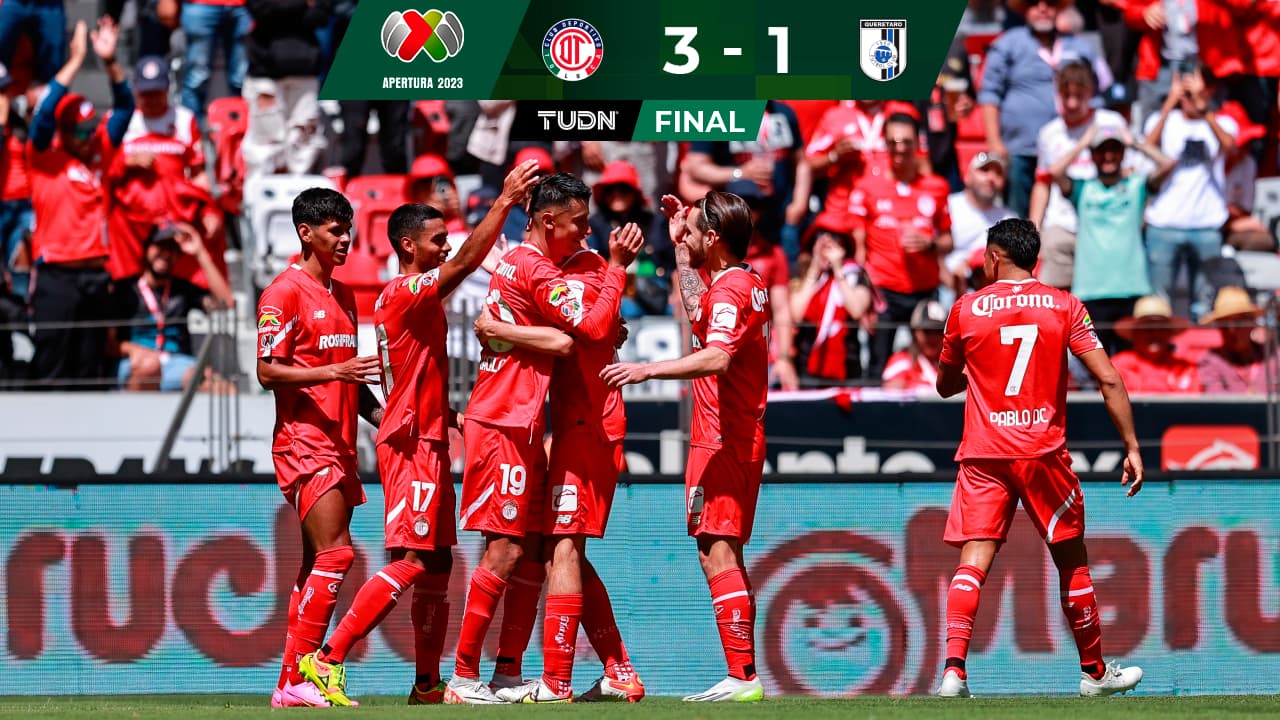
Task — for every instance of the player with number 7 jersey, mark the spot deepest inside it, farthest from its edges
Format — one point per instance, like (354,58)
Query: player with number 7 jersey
(1007,345)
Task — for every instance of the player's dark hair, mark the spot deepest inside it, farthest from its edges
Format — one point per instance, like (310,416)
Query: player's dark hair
(557,190)
(730,216)
(407,220)
(1018,239)
(317,206)
(1076,71)
(901,118)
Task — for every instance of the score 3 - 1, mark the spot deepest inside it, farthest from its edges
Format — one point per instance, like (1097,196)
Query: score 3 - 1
(685,49)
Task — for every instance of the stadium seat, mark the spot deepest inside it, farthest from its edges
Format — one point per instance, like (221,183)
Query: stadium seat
(267,223)
(1266,203)
(363,273)
(374,197)
(976,45)
(1261,270)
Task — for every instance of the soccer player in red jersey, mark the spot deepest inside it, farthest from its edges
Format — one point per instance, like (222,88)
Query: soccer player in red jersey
(505,470)
(730,373)
(588,423)
(1007,345)
(307,357)
(413,442)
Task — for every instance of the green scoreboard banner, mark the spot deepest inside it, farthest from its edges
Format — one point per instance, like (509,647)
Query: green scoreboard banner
(666,50)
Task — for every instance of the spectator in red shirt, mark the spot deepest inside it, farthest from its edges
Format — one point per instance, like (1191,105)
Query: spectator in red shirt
(66,162)
(833,296)
(158,173)
(902,228)
(769,261)
(1151,367)
(916,368)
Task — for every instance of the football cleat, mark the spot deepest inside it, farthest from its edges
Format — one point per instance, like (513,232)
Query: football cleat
(276,701)
(731,689)
(543,694)
(329,678)
(953,686)
(466,691)
(301,695)
(433,695)
(1115,680)
(625,686)
(511,688)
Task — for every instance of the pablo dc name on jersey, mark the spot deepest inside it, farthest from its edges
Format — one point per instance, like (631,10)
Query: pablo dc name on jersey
(1019,418)
(986,305)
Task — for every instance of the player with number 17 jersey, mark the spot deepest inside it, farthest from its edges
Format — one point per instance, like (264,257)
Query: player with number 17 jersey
(410,325)
(1011,337)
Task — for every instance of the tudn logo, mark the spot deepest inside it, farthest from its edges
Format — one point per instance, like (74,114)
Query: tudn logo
(438,34)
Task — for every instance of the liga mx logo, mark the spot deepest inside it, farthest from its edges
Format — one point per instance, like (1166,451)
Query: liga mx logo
(572,49)
(438,34)
(882,48)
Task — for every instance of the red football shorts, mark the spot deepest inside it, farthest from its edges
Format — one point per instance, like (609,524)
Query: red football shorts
(418,491)
(503,480)
(304,478)
(582,476)
(720,491)
(987,494)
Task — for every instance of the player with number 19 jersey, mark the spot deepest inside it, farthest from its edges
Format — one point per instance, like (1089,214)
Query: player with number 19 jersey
(413,445)
(1012,338)
(505,462)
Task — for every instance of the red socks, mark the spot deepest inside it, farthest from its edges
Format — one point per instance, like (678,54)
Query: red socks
(430,612)
(288,667)
(1081,608)
(482,600)
(319,595)
(559,640)
(519,612)
(598,621)
(731,599)
(962,607)
(376,598)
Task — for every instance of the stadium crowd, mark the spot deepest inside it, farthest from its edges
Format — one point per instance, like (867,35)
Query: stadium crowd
(1131,132)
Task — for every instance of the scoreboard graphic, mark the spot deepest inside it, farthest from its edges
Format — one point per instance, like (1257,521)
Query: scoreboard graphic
(669,53)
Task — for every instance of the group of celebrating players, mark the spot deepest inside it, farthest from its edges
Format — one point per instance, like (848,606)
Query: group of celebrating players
(551,328)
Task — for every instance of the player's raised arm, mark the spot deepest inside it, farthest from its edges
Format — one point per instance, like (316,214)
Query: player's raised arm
(692,287)
(473,251)
(1117,400)
(559,303)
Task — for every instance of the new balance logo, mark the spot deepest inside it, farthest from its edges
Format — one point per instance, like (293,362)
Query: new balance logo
(962,586)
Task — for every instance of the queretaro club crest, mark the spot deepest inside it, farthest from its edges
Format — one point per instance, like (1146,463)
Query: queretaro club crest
(882,48)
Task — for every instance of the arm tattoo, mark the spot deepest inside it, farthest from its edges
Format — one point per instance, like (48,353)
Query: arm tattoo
(692,288)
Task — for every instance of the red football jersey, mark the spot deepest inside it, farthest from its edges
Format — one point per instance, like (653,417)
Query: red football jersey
(67,197)
(886,209)
(410,324)
(309,325)
(728,409)
(141,195)
(1012,339)
(579,398)
(847,120)
(528,289)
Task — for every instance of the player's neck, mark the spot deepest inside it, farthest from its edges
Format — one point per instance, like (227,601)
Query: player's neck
(311,265)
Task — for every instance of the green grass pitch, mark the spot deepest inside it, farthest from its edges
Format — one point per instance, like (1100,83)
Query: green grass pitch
(163,707)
